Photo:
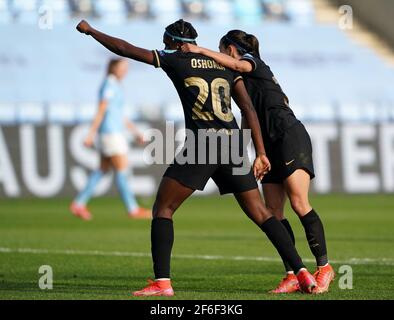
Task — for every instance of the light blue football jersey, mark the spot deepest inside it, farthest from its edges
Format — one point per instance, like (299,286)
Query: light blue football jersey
(114,117)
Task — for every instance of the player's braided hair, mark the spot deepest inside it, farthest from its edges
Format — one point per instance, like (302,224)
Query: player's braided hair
(244,42)
(181,31)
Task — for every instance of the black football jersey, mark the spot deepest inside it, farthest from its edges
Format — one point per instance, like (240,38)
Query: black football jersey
(269,100)
(204,88)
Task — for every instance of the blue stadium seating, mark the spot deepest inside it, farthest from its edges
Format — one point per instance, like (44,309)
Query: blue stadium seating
(248,12)
(54,75)
(111,11)
(116,11)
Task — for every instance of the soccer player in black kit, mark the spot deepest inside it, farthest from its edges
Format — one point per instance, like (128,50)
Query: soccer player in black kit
(205,88)
(288,148)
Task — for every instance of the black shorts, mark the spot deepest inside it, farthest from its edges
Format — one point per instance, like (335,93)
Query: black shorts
(196,176)
(292,151)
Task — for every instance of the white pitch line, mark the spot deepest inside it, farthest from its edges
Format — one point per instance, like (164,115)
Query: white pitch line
(354,261)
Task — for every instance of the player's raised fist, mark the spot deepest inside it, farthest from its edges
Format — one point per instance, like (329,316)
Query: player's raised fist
(84,27)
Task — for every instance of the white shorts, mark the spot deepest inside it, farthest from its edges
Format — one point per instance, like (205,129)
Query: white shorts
(113,144)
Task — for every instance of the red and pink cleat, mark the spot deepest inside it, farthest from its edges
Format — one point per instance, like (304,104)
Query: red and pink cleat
(324,276)
(80,211)
(306,281)
(156,288)
(289,284)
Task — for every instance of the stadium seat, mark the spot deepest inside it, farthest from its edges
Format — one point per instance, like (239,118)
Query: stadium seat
(31,113)
(274,10)
(85,112)
(111,12)
(152,111)
(300,11)
(319,52)
(224,7)
(323,111)
(131,112)
(24,11)
(248,12)
(357,112)
(5,15)
(7,114)
(139,9)
(115,11)
(194,9)
(61,113)
(60,9)
(167,11)
(83,8)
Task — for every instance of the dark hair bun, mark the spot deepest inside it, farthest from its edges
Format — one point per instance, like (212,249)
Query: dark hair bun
(245,42)
(182,29)
(252,42)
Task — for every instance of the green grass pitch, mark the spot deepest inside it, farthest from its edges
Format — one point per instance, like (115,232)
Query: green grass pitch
(218,253)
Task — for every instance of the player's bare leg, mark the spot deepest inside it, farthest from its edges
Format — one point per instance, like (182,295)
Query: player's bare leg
(252,204)
(297,188)
(275,199)
(119,162)
(170,196)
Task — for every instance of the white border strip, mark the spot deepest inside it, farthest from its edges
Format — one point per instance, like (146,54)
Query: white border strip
(354,261)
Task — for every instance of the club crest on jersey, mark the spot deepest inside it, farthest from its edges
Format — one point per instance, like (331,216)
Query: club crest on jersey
(164,52)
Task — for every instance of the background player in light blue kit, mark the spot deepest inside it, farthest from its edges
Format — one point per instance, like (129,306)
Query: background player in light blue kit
(110,124)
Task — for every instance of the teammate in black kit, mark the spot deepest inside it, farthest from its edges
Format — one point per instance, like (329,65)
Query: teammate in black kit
(287,144)
(204,88)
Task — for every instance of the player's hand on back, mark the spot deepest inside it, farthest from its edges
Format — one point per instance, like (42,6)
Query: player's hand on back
(84,27)
(261,166)
(188,47)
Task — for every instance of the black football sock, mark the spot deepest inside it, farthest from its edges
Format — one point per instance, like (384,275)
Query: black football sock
(315,234)
(162,239)
(287,225)
(280,238)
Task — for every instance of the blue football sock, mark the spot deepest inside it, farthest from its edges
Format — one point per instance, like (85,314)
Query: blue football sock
(125,191)
(84,196)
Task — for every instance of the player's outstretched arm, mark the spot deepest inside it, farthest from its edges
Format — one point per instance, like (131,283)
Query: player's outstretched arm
(261,165)
(221,58)
(117,46)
